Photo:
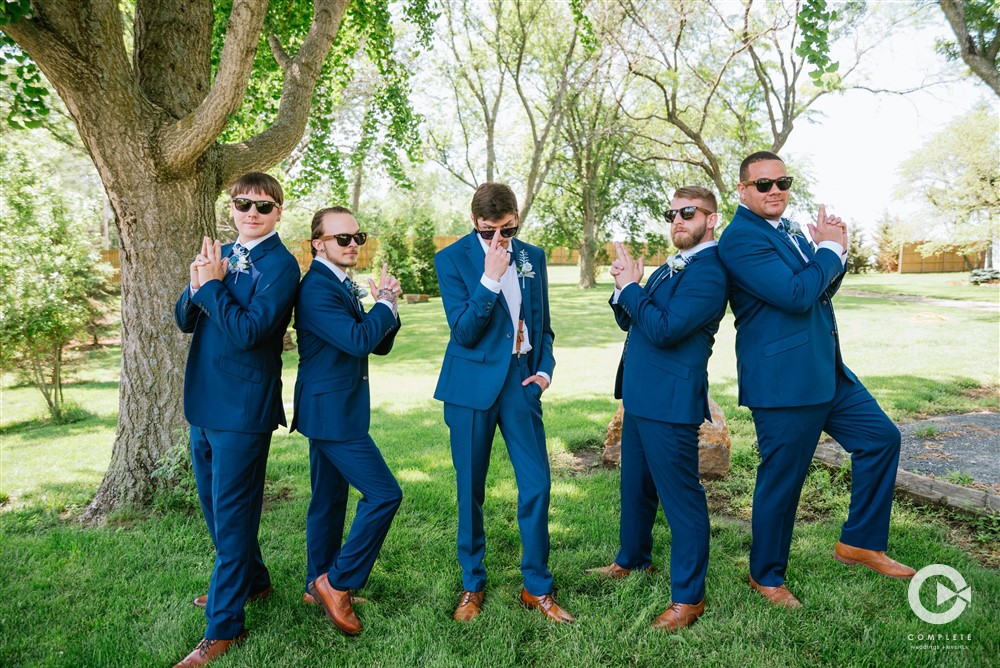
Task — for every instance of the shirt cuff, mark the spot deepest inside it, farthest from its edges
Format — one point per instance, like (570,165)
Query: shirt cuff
(548,379)
(836,247)
(618,292)
(491,285)
(191,290)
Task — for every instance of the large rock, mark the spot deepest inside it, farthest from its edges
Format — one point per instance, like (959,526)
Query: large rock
(713,444)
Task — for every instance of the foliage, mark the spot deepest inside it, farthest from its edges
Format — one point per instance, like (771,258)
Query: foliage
(175,487)
(395,252)
(976,24)
(980,276)
(858,253)
(956,176)
(887,244)
(423,249)
(814,20)
(51,281)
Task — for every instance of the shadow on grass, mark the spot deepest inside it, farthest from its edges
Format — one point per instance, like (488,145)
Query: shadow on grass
(43,429)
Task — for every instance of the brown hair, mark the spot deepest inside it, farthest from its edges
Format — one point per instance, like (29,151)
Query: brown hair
(493,201)
(317,223)
(697,192)
(258,182)
(759,156)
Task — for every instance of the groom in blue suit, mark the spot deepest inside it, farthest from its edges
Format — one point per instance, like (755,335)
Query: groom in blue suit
(497,364)
(333,409)
(794,380)
(663,382)
(237,307)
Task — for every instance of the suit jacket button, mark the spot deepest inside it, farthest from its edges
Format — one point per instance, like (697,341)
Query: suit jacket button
(364,377)
(823,302)
(509,335)
(833,333)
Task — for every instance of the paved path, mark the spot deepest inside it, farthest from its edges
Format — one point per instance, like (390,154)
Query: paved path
(931,301)
(967,444)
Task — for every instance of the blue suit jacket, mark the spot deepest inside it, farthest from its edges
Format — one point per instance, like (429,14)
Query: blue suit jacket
(233,376)
(477,358)
(332,396)
(787,344)
(671,325)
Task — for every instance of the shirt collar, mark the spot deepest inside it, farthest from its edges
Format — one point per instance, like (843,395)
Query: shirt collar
(255,242)
(337,271)
(697,249)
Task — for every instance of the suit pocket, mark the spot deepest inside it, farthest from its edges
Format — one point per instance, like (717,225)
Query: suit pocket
(466,354)
(332,385)
(678,370)
(240,370)
(787,343)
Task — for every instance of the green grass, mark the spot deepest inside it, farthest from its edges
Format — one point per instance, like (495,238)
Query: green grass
(953,285)
(120,594)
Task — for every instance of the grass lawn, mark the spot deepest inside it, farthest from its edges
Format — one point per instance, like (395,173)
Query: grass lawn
(120,594)
(954,285)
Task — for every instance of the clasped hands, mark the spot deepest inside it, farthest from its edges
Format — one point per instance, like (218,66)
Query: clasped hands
(624,269)
(388,287)
(828,228)
(208,265)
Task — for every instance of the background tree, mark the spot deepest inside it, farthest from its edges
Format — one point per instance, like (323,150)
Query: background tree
(423,249)
(858,253)
(53,285)
(956,176)
(394,251)
(151,94)
(976,24)
(888,242)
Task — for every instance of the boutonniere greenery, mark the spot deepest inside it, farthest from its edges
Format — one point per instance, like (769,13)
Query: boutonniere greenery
(359,292)
(239,261)
(524,267)
(793,228)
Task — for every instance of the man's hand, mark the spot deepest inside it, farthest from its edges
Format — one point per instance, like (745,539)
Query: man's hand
(200,260)
(388,288)
(215,268)
(828,228)
(542,383)
(497,258)
(625,269)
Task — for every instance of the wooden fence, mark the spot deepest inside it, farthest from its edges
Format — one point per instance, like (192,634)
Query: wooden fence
(912,262)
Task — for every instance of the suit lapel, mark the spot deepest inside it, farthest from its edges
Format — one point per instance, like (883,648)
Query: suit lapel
(657,278)
(523,284)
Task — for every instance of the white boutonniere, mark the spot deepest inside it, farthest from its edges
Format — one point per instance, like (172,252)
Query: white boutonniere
(793,228)
(524,267)
(239,261)
(676,264)
(359,292)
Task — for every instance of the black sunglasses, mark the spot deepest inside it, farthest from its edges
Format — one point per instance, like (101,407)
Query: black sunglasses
(264,206)
(764,185)
(345,239)
(687,212)
(505,232)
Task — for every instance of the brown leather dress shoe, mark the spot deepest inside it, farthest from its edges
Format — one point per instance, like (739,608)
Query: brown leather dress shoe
(202,600)
(877,561)
(208,651)
(547,604)
(469,606)
(336,604)
(779,596)
(614,571)
(307,599)
(679,615)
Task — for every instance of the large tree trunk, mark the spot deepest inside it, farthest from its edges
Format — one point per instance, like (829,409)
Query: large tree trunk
(158,243)
(588,243)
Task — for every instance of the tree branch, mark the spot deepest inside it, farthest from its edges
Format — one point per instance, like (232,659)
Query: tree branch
(985,69)
(273,144)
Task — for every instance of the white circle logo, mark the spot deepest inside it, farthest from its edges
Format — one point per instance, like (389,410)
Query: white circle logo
(962,594)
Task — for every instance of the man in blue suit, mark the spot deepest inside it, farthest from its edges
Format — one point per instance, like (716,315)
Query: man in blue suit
(333,409)
(237,307)
(663,382)
(497,364)
(794,380)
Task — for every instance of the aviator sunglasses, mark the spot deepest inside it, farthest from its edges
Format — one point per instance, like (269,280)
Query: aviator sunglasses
(505,232)
(264,206)
(764,185)
(345,239)
(687,212)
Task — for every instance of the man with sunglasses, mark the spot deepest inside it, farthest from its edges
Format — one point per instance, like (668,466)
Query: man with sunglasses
(333,409)
(237,307)
(794,380)
(498,361)
(663,382)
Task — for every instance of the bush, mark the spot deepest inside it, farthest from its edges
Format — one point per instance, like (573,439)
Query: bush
(980,276)
(394,251)
(424,249)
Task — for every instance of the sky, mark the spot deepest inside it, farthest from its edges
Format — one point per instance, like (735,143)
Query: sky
(856,148)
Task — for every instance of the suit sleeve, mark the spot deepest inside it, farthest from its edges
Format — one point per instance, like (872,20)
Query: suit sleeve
(185,312)
(385,345)
(755,266)
(699,298)
(264,315)
(467,314)
(327,314)
(546,357)
(622,317)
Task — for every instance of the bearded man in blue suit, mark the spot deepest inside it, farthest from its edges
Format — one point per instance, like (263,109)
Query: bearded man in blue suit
(237,307)
(333,409)
(794,380)
(663,382)
(497,364)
